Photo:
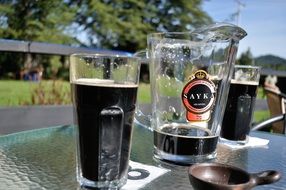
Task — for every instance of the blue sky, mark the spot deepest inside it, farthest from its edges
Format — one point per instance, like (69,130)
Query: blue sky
(263,20)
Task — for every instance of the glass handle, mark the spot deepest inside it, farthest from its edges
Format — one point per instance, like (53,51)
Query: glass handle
(111,131)
(243,113)
(243,107)
(141,118)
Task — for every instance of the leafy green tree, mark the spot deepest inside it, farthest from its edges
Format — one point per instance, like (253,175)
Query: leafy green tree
(111,24)
(43,21)
(124,24)
(245,58)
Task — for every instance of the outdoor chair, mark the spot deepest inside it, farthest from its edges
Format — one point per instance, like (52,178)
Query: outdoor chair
(276,103)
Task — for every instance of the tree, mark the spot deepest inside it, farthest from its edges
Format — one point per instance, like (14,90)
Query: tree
(245,58)
(124,24)
(110,24)
(43,21)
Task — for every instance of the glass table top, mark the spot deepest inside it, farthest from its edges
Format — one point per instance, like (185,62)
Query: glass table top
(45,159)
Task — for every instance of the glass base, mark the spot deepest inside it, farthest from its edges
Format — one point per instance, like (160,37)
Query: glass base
(182,159)
(234,142)
(104,185)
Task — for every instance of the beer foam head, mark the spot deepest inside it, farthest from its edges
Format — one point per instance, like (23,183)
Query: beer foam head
(247,75)
(244,82)
(103,82)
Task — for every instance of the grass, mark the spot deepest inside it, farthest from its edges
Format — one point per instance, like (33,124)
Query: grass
(166,85)
(260,93)
(17,93)
(12,93)
(260,115)
(144,94)
(51,92)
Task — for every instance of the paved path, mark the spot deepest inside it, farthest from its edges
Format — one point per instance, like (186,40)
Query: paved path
(33,117)
(261,104)
(15,119)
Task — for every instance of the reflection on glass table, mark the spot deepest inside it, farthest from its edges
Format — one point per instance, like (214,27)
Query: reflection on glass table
(45,159)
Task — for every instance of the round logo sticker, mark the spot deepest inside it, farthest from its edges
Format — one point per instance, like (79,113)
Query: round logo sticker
(198,96)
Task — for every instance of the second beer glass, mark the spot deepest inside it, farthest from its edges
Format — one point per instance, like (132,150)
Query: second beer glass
(240,105)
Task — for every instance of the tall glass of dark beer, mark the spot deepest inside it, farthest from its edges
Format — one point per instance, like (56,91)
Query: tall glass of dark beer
(240,105)
(104,90)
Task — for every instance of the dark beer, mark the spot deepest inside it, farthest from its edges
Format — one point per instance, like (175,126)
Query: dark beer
(184,140)
(104,114)
(239,109)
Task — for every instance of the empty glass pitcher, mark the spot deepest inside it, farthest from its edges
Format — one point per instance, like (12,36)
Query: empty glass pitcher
(190,76)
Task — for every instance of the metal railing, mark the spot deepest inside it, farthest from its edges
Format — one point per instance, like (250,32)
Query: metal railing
(49,48)
(15,119)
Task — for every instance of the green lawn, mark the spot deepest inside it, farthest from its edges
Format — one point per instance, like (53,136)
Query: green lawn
(16,93)
(144,94)
(260,93)
(12,93)
(261,115)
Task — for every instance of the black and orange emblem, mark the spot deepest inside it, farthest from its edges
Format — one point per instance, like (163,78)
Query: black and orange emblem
(198,96)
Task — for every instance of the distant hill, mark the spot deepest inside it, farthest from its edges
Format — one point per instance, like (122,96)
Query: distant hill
(271,65)
(269,60)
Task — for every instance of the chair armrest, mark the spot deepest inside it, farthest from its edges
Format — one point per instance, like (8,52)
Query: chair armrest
(270,121)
